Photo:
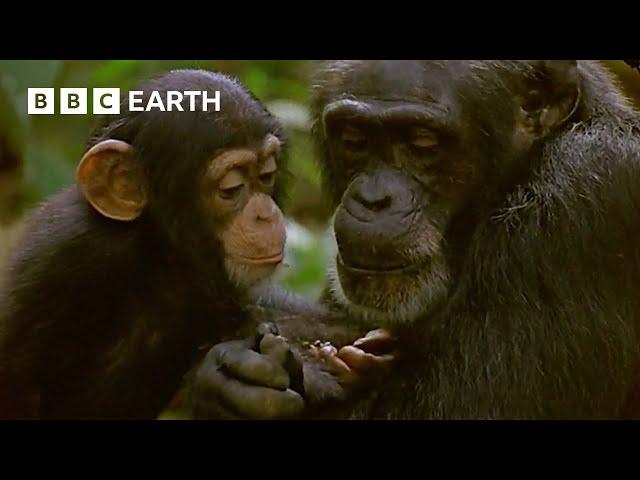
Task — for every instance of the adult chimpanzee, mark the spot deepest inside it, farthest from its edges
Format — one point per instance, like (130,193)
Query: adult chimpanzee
(119,280)
(487,213)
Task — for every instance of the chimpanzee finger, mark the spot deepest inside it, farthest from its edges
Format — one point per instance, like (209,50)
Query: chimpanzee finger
(264,328)
(255,368)
(275,347)
(333,364)
(234,357)
(278,348)
(254,402)
(362,361)
(376,341)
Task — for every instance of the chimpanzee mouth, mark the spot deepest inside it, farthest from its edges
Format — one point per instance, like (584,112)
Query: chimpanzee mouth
(258,261)
(354,267)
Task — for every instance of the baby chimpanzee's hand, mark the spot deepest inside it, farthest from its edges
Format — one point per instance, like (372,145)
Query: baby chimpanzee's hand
(255,378)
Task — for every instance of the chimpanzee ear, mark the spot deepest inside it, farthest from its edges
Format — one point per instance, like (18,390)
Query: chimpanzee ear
(111,181)
(549,97)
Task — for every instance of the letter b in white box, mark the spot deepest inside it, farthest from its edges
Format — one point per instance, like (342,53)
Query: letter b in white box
(106,101)
(73,101)
(40,101)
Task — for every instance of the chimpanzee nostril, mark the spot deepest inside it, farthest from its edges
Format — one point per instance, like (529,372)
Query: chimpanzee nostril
(375,203)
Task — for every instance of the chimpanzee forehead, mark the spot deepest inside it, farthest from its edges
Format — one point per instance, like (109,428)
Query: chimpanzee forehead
(245,156)
(415,80)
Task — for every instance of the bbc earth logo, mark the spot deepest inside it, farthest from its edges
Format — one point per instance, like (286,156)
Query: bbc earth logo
(106,101)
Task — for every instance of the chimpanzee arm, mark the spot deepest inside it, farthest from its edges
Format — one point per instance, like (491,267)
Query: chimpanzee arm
(300,320)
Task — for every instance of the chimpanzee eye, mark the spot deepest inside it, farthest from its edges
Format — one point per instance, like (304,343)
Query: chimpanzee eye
(268,178)
(422,139)
(231,184)
(229,193)
(353,139)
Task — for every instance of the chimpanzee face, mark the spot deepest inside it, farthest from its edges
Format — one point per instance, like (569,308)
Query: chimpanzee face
(237,188)
(406,151)
(205,180)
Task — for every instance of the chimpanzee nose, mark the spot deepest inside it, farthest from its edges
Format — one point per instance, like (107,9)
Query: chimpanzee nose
(380,191)
(262,208)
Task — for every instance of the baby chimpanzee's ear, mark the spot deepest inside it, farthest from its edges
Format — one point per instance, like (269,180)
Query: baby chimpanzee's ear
(111,181)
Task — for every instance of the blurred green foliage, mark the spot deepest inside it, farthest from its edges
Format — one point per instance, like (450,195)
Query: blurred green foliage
(51,145)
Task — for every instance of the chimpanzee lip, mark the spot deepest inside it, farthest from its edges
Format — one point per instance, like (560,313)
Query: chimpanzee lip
(268,260)
(377,271)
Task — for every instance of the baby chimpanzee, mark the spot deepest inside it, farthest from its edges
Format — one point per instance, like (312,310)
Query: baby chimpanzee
(121,279)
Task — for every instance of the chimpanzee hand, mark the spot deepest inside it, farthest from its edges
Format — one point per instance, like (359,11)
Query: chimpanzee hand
(255,378)
(360,364)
